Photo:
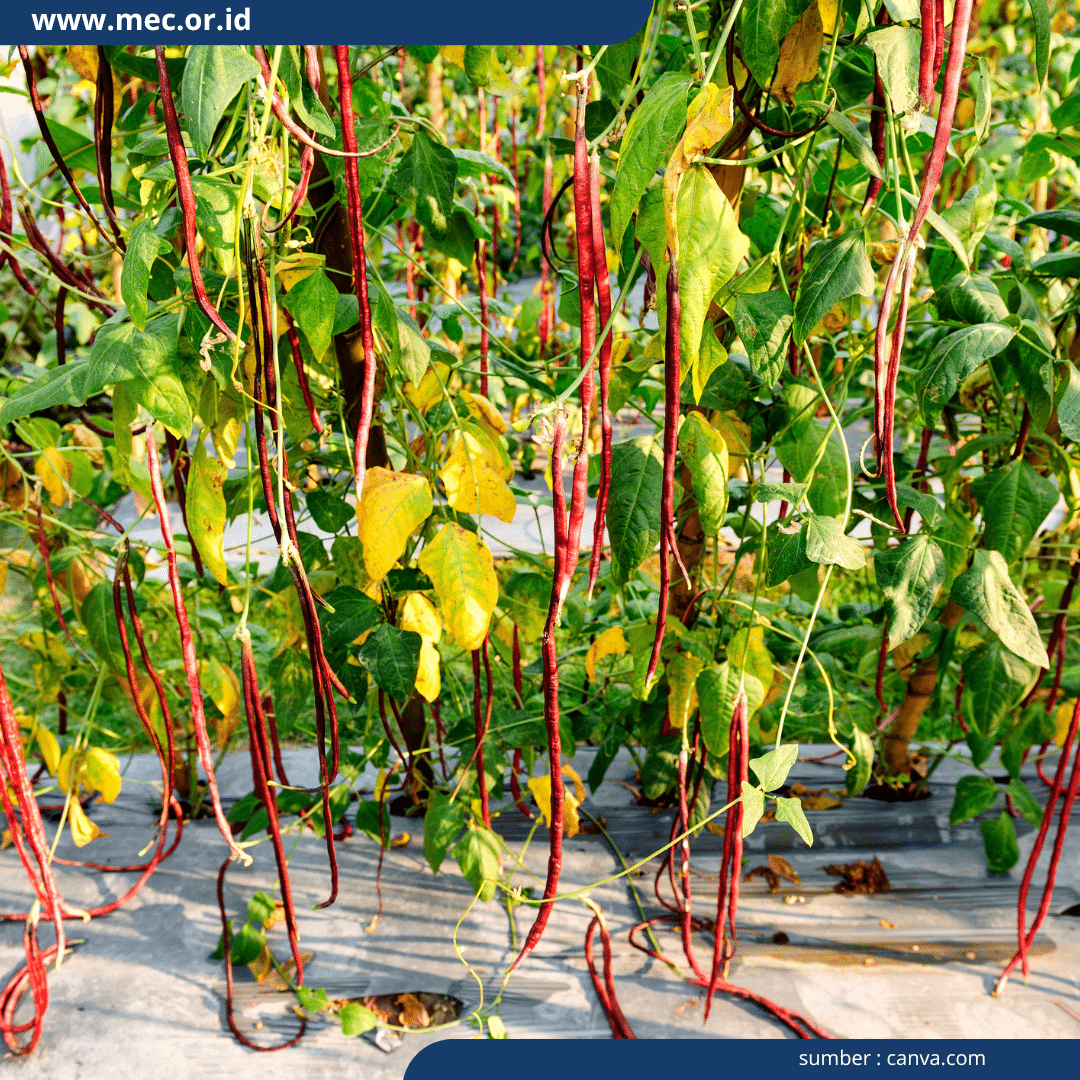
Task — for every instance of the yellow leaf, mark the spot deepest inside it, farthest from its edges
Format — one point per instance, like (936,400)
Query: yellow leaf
(84,59)
(708,120)
(736,433)
(418,614)
(63,770)
(485,414)
(53,469)
(102,770)
(49,747)
(682,673)
(206,510)
(828,10)
(392,506)
(6,840)
(83,830)
(610,643)
(1062,720)
(3,575)
(430,390)
(294,268)
(454,53)
(461,569)
(540,786)
(579,787)
(472,481)
(799,54)
(746,652)
(401,841)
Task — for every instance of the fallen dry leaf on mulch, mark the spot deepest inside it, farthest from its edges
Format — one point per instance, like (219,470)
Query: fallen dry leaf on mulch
(777,868)
(859,877)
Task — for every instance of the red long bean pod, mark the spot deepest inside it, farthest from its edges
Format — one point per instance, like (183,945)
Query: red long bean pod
(727,892)
(1026,938)
(547,310)
(883,654)
(301,374)
(43,548)
(34,976)
(50,142)
(180,462)
(928,50)
(7,218)
(187,646)
(226,935)
(605,991)
(481,284)
(517,188)
(551,698)
(516,662)
(603,296)
(271,719)
(355,215)
(939,37)
(932,168)
(480,730)
(65,273)
(103,125)
(515,786)
(184,194)
(263,775)
(671,429)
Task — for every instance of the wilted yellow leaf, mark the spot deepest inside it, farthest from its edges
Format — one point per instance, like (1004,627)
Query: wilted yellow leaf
(1062,720)
(610,643)
(579,786)
(736,433)
(294,268)
(682,672)
(799,54)
(53,469)
(206,510)
(418,614)
(401,841)
(461,569)
(101,772)
(89,441)
(540,786)
(708,119)
(746,652)
(83,830)
(430,390)
(484,413)
(84,59)
(472,481)
(6,840)
(392,506)
(3,575)
(454,53)
(49,747)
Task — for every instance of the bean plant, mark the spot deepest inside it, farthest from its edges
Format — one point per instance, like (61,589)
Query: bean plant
(764,321)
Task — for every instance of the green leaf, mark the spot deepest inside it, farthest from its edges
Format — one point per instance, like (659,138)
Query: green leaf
(896,49)
(356,1019)
(717,688)
(1040,15)
(73,384)
(633,516)
(651,134)
(212,77)
(791,811)
(206,510)
(1002,850)
(705,455)
(858,776)
(753,800)
(478,64)
(909,576)
(330,512)
(856,142)
(260,907)
(473,163)
(986,591)
(1024,801)
(975,794)
(98,615)
(835,270)
(1068,403)
(1015,501)
(312,302)
(313,1001)
(392,656)
(425,178)
(413,353)
(954,358)
(971,300)
(367,821)
(763,321)
(247,944)
(710,250)
(764,26)
(143,247)
(926,506)
(787,556)
(996,680)
(442,823)
(353,613)
(772,768)
(302,97)
(477,853)
(827,476)
(1064,221)
(1059,264)
(980,747)
(828,545)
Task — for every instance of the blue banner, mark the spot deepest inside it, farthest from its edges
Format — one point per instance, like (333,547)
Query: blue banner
(277,22)
(984,1059)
